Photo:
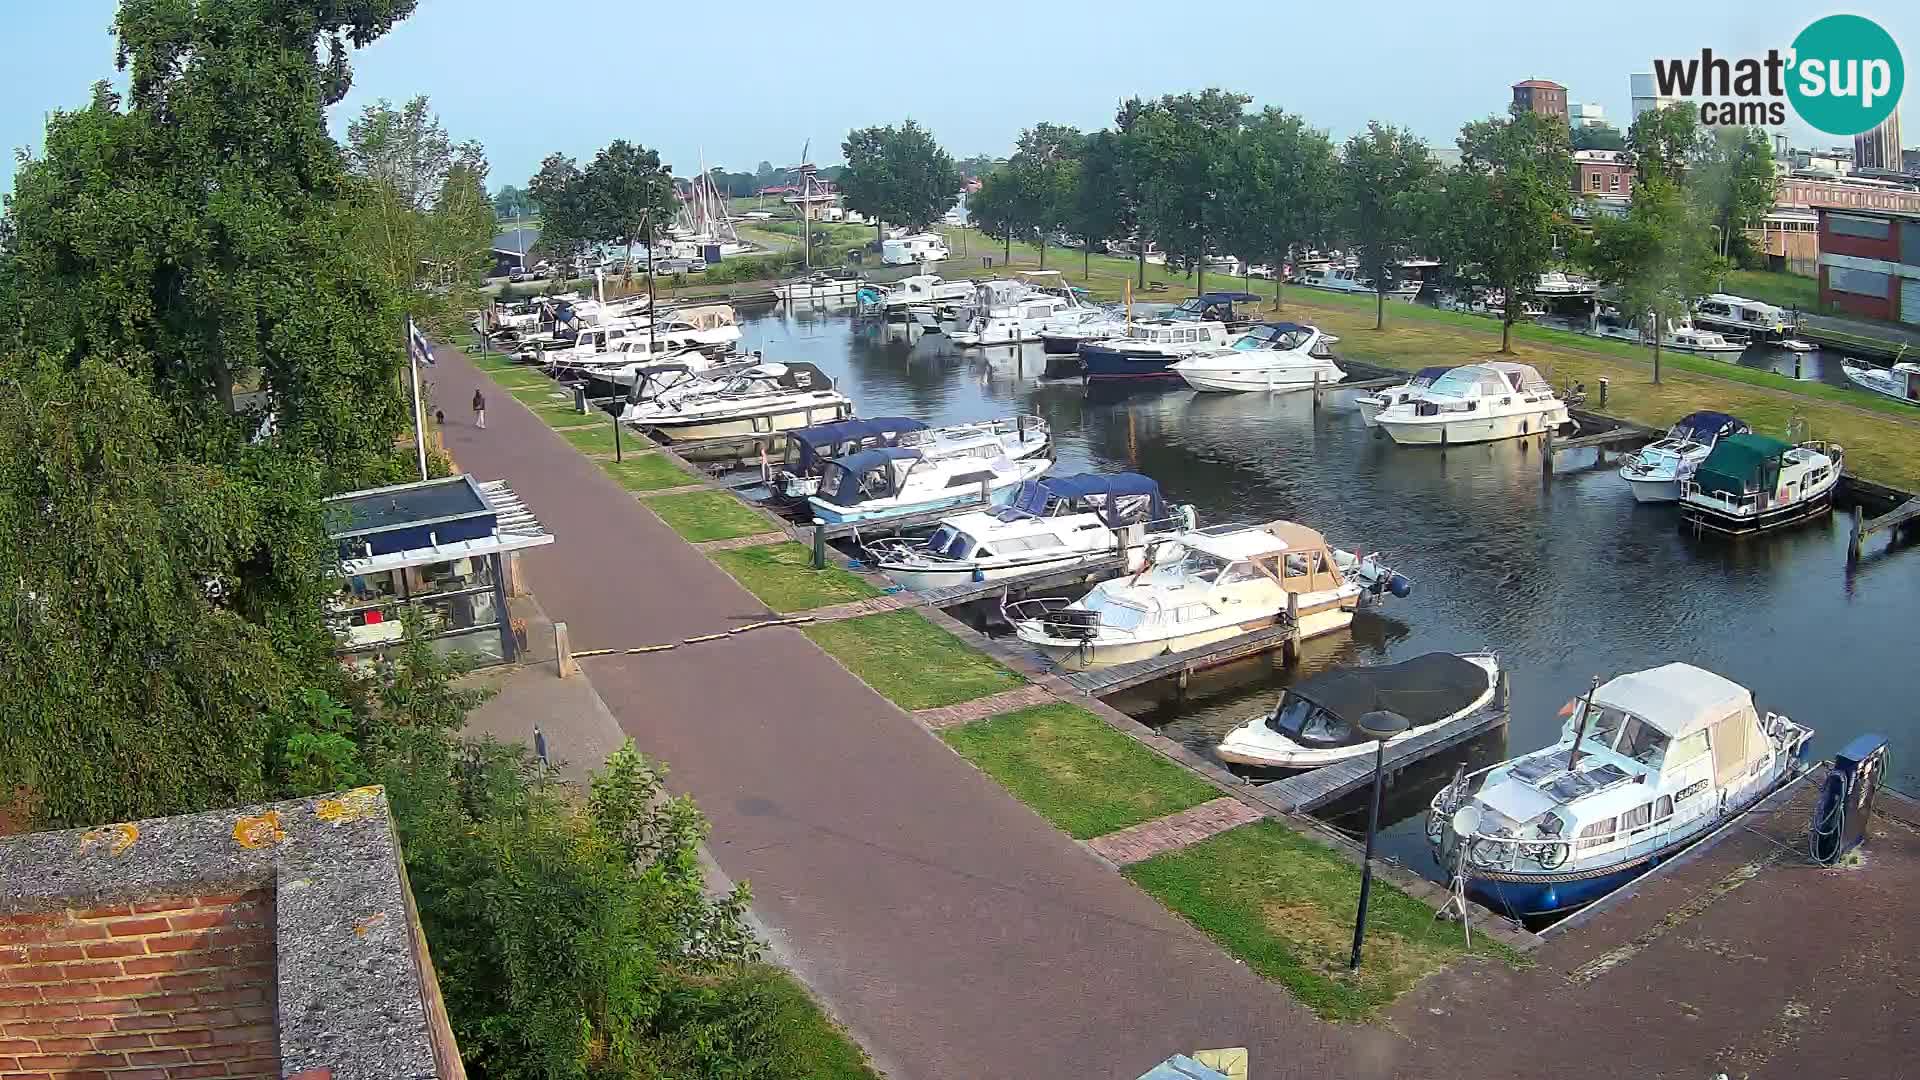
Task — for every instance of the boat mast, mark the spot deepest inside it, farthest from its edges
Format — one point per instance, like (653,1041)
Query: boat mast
(1580,729)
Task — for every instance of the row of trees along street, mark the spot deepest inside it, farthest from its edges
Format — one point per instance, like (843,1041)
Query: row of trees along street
(184,259)
(1202,173)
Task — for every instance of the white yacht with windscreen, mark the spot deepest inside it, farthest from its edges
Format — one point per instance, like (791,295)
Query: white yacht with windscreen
(1269,357)
(1371,405)
(1204,587)
(1008,312)
(1053,523)
(759,400)
(1316,721)
(893,482)
(1476,403)
(1655,474)
(1646,764)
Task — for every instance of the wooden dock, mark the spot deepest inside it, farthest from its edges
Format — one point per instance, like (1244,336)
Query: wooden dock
(1315,788)
(1892,521)
(1084,573)
(1111,680)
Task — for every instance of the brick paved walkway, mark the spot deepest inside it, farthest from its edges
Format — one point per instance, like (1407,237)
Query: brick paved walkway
(980,708)
(853,609)
(1150,838)
(756,540)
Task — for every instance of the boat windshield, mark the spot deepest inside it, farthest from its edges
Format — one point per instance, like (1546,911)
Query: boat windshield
(1200,566)
(948,542)
(1304,722)
(1625,734)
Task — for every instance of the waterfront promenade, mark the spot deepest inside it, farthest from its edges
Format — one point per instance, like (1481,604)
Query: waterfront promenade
(954,931)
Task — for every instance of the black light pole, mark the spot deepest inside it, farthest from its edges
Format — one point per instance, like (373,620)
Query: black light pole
(1381,726)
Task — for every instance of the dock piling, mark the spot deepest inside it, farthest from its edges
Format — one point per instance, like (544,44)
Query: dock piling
(819,544)
(1853,537)
(1546,454)
(1317,402)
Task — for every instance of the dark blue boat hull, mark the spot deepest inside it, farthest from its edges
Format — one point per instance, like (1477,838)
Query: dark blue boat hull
(1527,899)
(1100,364)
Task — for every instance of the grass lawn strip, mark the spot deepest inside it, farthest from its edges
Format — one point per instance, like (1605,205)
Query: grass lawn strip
(647,472)
(782,576)
(1076,771)
(597,438)
(699,516)
(558,415)
(912,662)
(1284,904)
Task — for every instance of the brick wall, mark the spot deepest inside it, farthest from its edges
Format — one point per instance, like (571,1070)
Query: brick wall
(165,989)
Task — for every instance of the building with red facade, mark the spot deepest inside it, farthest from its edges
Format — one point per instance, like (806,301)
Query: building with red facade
(1603,173)
(1870,263)
(1542,96)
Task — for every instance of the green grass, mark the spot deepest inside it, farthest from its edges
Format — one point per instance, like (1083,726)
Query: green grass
(557,415)
(708,515)
(1285,905)
(910,661)
(647,472)
(492,362)
(597,438)
(1782,290)
(522,378)
(782,576)
(752,1020)
(1076,771)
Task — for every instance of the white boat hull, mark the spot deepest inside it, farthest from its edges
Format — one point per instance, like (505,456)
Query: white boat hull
(1447,431)
(918,578)
(1648,490)
(1088,655)
(1295,756)
(1272,380)
(761,424)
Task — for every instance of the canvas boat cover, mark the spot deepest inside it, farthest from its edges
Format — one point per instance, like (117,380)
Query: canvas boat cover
(1425,689)
(1740,464)
(1678,699)
(818,441)
(1426,375)
(1703,427)
(1119,498)
(866,475)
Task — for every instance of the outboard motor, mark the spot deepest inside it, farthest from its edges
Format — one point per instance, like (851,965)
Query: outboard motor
(1846,802)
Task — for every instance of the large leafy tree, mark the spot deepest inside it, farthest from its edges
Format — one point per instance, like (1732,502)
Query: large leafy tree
(1663,142)
(1731,176)
(994,207)
(1383,173)
(1100,210)
(898,174)
(1598,137)
(630,194)
(1177,148)
(566,205)
(1280,188)
(1659,259)
(511,203)
(1044,170)
(1505,200)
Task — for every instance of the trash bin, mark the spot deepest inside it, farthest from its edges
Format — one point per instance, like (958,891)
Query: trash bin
(580,398)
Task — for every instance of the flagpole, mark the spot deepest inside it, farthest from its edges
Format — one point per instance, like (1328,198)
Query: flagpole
(419,424)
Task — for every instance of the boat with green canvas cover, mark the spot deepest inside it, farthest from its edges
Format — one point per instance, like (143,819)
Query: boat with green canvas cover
(1753,483)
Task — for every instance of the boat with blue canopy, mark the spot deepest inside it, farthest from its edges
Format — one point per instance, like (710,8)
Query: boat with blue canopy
(897,481)
(1655,473)
(1052,523)
(808,450)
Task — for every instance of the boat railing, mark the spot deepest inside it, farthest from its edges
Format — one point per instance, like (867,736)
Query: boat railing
(1751,502)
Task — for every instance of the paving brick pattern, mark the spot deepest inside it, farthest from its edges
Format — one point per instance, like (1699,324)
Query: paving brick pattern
(980,708)
(166,988)
(853,609)
(1149,838)
(756,540)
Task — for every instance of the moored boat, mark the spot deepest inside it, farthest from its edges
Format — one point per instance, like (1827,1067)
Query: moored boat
(1646,765)
(1150,350)
(1752,483)
(810,449)
(1271,357)
(1315,722)
(759,400)
(1476,403)
(885,483)
(1900,382)
(1655,473)
(1370,405)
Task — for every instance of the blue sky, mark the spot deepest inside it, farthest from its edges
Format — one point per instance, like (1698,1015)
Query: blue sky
(744,81)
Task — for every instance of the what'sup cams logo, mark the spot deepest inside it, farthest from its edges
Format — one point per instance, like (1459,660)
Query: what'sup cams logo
(1843,75)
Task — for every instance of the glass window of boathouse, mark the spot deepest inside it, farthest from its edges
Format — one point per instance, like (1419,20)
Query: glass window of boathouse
(437,547)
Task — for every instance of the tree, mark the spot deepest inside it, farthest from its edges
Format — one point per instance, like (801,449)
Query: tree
(1382,173)
(1280,191)
(1506,198)
(1731,176)
(994,207)
(630,193)
(566,206)
(765,175)
(1177,150)
(511,203)
(1659,258)
(1100,211)
(899,175)
(1043,170)
(1598,137)
(1663,141)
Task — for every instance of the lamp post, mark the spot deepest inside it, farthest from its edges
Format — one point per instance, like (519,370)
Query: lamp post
(1381,726)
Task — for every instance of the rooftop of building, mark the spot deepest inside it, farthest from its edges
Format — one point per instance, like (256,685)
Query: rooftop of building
(1869,211)
(270,940)
(1539,84)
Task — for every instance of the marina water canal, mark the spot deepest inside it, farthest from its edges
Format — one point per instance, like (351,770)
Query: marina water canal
(1566,582)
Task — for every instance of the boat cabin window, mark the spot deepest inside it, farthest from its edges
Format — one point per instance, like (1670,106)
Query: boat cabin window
(1598,834)
(1663,808)
(1119,616)
(1238,572)
(1688,748)
(1304,722)
(949,542)
(1191,613)
(1202,566)
(1637,817)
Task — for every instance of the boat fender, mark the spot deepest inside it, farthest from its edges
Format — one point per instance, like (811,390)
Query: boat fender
(1399,586)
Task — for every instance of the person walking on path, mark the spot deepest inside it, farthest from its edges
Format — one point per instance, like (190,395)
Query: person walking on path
(479,410)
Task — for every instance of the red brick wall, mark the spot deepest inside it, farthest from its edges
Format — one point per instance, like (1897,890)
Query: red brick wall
(161,990)
(1865,247)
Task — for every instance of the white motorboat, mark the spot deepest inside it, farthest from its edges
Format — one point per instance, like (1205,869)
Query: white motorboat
(1203,587)
(1555,284)
(1008,312)
(925,289)
(1063,334)
(1370,405)
(1655,473)
(1476,403)
(1315,722)
(892,482)
(1751,483)
(683,375)
(1794,345)
(1336,279)
(1052,523)
(1900,382)
(762,399)
(819,285)
(1150,349)
(1681,336)
(1271,357)
(1645,765)
(810,449)
(1724,311)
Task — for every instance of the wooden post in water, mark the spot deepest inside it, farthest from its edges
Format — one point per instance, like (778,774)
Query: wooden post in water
(1290,648)
(1316,392)
(1546,454)
(1854,538)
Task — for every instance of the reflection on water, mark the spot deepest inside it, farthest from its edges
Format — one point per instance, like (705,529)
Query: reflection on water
(1565,582)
